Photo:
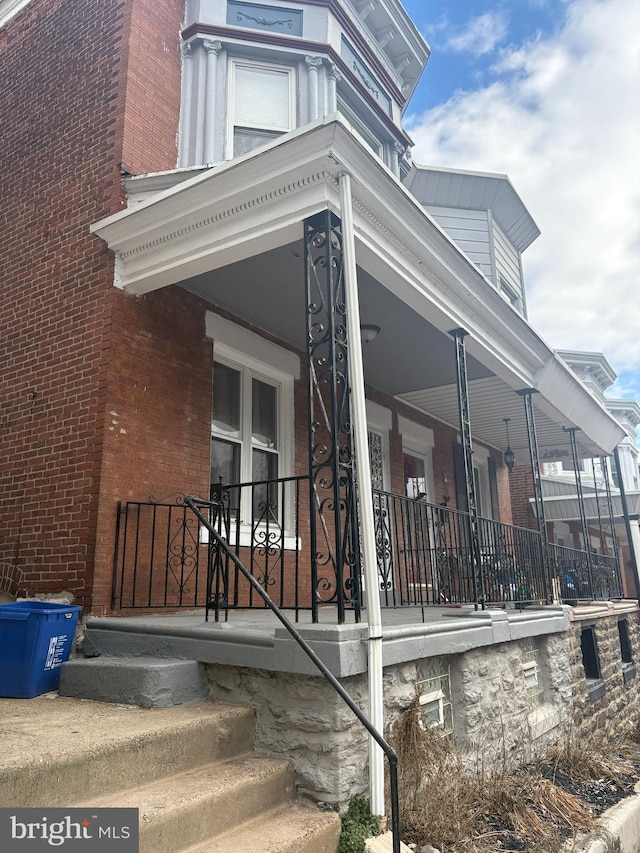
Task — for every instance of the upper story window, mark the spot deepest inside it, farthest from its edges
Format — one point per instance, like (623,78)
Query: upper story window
(510,294)
(262,104)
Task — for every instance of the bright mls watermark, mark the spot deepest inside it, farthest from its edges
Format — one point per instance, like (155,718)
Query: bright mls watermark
(82,830)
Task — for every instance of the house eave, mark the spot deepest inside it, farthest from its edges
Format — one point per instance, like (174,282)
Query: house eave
(255,203)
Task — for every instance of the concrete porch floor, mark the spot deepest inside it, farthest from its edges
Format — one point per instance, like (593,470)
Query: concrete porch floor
(257,639)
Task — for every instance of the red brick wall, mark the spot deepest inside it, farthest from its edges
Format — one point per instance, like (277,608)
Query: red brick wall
(521,483)
(152,94)
(65,132)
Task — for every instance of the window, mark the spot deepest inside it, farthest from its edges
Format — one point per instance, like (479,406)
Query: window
(252,413)
(262,99)
(625,643)
(510,294)
(532,673)
(591,662)
(245,429)
(415,476)
(435,701)
(359,126)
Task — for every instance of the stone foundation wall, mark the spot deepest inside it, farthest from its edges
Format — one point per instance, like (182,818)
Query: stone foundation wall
(606,706)
(498,722)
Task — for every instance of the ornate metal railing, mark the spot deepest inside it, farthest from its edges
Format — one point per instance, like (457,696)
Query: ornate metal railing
(164,558)
(158,561)
(426,556)
(584,577)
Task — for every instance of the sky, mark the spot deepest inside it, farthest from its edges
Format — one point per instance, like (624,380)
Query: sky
(548,92)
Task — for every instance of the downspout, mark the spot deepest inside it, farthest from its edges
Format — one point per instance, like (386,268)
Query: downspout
(365,499)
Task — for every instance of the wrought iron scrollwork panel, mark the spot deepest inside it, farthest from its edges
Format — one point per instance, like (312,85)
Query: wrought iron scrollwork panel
(334,528)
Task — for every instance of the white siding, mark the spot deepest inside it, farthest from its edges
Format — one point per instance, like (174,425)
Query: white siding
(507,260)
(469,229)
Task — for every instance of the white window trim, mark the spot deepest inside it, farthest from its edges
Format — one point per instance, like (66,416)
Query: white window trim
(277,366)
(266,66)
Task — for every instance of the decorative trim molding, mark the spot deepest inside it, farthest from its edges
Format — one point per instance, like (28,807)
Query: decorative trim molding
(229,213)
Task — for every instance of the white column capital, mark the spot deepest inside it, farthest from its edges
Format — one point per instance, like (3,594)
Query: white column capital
(335,75)
(313,62)
(212,47)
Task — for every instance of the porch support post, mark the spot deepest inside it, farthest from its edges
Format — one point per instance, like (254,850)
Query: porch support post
(458,336)
(604,464)
(586,542)
(603,548)
(627,522)
(365,500)
(552,592)
(335,557)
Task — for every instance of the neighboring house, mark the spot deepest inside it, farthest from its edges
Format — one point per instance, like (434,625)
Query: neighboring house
(198,201)
(600,508)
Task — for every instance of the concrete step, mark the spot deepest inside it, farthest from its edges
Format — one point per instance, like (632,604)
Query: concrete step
(297,828)
(55,750)
(184,809)
(149,682)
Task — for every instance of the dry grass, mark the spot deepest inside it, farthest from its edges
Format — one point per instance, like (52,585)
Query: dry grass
(456,811)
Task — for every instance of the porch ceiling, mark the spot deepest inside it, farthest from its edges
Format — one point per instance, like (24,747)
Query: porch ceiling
(410,359)
(233,232)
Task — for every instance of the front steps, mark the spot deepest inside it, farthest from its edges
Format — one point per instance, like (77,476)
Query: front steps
(149,682)
(189,770)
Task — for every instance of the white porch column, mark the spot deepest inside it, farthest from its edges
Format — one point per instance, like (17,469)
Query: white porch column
(187,94)
(365,499)
(313,63)
(334,78)
(212,49)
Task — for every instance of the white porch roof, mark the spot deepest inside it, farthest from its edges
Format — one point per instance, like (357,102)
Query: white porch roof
(254,206)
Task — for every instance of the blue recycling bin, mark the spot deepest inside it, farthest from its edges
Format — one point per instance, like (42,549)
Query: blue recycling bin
(35,640)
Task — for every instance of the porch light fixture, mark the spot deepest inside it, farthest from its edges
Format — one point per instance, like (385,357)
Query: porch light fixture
(509,456)
(369,332)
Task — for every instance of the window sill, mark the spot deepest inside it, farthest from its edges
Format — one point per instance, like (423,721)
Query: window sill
(595,688)
(628,671)
(256,538)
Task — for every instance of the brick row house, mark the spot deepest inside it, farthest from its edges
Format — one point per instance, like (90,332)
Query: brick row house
(215,246)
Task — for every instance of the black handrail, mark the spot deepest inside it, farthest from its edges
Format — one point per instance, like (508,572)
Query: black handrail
(333,681)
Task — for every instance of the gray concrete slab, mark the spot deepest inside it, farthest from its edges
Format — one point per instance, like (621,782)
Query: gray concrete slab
(257,639)
(145,681)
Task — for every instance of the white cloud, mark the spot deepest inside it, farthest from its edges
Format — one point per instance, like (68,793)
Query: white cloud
(562,118)
(480,35)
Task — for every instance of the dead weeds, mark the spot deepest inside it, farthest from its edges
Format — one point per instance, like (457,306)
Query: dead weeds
(534,809)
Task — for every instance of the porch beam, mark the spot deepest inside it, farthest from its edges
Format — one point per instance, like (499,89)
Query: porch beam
(552,592)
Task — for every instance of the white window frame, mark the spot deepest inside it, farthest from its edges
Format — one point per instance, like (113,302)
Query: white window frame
(532,675)
(261,359)
(234,63)
(435,696)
